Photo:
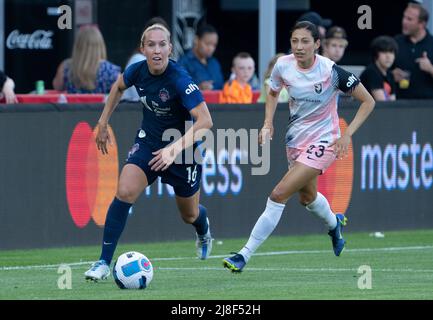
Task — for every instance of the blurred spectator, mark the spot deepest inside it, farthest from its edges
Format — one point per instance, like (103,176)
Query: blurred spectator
(131,94)
(377,77)
(414,69)
(204,69)
(316,19)
(335,43)
(87,71)
(7,86)
(284,95)
(239,90)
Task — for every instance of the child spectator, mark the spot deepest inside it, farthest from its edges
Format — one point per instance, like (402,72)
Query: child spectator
(335,43)
(377,77)
(87,71)
(239,90)
(284,95)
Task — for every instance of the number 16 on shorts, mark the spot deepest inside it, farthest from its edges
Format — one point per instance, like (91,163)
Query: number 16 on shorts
(192,175)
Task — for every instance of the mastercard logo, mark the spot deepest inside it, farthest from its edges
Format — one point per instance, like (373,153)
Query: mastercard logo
(337,182)
(91,177)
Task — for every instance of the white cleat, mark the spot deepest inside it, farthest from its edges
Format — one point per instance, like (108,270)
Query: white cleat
(98,271)
(204,244)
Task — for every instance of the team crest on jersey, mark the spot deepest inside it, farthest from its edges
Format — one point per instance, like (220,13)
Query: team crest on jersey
(318,87)
(164,95)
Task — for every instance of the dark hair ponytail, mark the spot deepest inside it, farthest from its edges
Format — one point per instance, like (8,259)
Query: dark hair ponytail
(309,26)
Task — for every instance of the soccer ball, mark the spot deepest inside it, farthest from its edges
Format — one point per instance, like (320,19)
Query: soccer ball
(132,270)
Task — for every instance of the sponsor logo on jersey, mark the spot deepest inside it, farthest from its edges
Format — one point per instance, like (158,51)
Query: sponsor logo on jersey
(350,81)
(164,95)
(191,87)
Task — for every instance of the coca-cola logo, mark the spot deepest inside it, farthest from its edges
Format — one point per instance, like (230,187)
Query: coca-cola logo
(38,40)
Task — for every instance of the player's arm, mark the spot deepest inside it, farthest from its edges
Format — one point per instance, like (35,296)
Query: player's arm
(350,84)
(366,107)
(202,122)
(268,125)
(275,86)
(113,99)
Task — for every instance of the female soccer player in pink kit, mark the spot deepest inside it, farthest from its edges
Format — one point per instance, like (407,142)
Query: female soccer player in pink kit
(313,139)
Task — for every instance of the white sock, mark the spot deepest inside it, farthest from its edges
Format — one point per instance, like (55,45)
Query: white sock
(320,207)
(263,228)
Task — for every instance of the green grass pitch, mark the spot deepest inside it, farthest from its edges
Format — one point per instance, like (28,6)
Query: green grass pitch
(285,268)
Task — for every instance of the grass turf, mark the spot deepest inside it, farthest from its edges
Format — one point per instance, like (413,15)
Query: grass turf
(285,268)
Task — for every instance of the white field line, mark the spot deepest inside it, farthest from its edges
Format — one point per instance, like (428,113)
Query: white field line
(271,253)
(301,269)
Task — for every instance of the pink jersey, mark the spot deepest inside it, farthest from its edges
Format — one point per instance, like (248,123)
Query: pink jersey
(313,99)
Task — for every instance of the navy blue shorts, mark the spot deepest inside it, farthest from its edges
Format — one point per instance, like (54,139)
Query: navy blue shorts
(184,178)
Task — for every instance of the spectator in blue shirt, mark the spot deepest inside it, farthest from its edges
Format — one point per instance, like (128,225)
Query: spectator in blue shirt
(204,69)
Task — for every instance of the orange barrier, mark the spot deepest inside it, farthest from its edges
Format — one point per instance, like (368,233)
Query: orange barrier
(60,98)
(53,96)
(212,96)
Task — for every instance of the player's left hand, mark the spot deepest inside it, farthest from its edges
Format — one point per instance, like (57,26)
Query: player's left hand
(163,158)
(341,146)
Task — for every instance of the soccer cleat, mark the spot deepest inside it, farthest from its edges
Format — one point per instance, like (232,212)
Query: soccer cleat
(336,234)
(98,271)
(235,263)
(204,244)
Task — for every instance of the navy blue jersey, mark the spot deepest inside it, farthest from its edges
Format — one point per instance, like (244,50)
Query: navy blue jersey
(166,98)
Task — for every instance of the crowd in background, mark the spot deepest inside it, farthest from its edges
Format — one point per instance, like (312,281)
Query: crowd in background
(401,66)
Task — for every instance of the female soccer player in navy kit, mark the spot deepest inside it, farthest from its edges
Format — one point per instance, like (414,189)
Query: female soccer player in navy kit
(169,98)
(313,139)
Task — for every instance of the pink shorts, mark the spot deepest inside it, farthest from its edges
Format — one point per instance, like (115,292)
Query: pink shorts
(316,156)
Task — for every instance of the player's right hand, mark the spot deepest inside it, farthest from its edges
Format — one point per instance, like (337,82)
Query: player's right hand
(266,134)
(102,137)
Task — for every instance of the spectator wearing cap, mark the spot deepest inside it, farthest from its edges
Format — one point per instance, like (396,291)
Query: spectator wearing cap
(316,19)
(414,68)
(377,77)
(335,43)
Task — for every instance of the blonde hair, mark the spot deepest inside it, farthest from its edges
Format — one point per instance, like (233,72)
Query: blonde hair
(155,26)
(271,64)
(89,49)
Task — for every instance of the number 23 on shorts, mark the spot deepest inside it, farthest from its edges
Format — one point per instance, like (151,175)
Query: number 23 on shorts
(317,151)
